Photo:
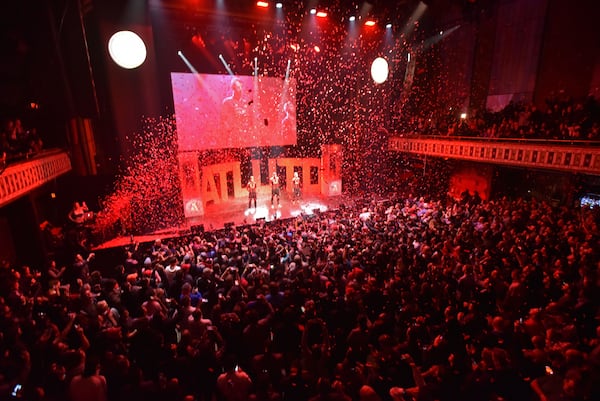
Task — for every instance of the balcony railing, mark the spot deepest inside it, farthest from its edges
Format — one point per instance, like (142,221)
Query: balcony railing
(572,156)
(20,178)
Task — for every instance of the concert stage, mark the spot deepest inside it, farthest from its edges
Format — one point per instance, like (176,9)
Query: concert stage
(235,212)
(215,196)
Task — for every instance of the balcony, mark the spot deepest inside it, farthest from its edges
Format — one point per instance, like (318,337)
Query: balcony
(569,156)
(20,178)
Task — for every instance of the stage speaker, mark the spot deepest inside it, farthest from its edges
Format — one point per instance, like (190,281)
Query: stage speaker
(229,225)
(197,229)
(261,220)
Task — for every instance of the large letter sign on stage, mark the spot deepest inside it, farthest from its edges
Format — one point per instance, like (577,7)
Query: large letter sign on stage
(305,165)
(215,185)
(209,187)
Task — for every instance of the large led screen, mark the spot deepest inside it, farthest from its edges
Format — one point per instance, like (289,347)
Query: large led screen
(224,111)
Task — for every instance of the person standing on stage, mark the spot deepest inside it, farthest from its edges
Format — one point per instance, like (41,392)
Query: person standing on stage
(296,186)
(275,189)
(251,192)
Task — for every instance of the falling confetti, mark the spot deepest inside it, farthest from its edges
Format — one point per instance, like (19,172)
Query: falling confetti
(146,193)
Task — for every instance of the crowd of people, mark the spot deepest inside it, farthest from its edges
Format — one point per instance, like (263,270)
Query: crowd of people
(402,298)
(17,142)
(562,119)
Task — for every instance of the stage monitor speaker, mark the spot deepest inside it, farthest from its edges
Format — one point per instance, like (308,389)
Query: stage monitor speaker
(197,229)
(229,225)
(261,220)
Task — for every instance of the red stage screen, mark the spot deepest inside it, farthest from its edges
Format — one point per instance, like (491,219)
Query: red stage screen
(224,111)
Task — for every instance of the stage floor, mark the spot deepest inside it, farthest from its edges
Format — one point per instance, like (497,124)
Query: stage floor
(235,211)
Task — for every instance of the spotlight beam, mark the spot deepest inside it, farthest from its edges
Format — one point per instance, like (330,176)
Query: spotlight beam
(225,64)
(436,38)
(414,19)
(286,86)
(287,70)
(187,62)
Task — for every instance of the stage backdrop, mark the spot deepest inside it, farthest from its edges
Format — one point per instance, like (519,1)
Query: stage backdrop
(224,111)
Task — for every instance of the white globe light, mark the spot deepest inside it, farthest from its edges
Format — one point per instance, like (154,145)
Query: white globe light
(379,70)
(127,49)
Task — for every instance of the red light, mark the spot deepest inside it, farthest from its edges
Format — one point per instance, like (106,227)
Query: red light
(198,41)
(317,49)
(370,23)
(321,14)
(263,4)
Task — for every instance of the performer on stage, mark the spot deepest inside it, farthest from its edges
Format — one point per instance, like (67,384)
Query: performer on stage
(296,186)
(251,192)
(275,189)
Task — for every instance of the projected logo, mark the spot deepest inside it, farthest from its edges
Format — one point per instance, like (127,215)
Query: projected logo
(194,207)
(335,188)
